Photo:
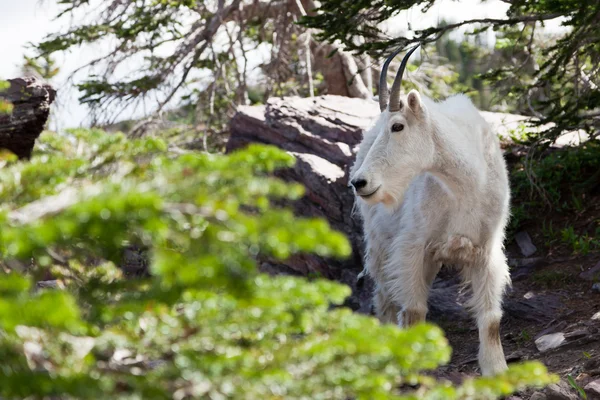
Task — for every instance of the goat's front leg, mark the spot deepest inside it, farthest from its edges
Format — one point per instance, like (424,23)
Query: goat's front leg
(385,309)
(410,274)
(489,279)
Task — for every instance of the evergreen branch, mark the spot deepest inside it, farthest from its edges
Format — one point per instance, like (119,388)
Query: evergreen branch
(491,21)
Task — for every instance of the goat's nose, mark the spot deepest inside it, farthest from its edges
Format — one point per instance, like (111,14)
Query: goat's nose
(359,183)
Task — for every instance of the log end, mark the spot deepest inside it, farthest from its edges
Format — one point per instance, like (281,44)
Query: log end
(31,99)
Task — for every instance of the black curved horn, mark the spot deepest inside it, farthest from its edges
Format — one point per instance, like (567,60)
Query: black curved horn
(395,92)
(383,86)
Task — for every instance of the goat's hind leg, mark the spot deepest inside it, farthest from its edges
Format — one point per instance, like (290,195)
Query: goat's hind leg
(489,278)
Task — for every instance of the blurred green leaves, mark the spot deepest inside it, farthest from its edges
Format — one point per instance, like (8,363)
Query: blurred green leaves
(205,323)
(5,106)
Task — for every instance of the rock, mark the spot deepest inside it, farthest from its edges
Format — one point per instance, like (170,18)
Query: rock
(134,261)
(559,326)
(561,391)
(592,364)
(524,262)
(516,356)
(443,304)
(577,334)
(596,317)
(31,101)
(549,342)
(592,274)
(539,308)
(521,268)
(538,396)
(525,244)
(592,390)
(51,284)
(514,398)
(596,287)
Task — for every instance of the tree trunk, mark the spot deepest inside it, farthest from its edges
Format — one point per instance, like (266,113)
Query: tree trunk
(340,71)
(31,100)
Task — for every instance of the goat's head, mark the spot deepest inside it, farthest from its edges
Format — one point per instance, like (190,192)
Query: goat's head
(397,148)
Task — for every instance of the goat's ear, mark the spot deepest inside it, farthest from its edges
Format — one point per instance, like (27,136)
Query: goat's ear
(414,102)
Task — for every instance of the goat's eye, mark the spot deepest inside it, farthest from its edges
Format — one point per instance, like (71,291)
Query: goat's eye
(397,127)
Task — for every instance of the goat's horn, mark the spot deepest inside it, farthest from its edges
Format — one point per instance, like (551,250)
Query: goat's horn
(384,94)
(395,92)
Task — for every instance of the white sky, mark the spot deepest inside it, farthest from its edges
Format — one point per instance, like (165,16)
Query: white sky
(25,21)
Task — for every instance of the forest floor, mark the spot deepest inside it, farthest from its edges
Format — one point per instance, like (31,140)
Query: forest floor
(554,300)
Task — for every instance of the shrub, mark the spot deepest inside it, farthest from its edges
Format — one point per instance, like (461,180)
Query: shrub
(5,106)
(205,323)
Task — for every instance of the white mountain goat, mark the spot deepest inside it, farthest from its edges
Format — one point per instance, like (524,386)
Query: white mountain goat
(433,190)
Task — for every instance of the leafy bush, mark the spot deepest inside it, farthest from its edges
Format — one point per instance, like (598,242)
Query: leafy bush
(205,323)
(5,106)
(562,177)
(560,181)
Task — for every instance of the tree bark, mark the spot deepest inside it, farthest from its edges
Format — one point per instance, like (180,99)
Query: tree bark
(323,134)
(340,71)
(31,100)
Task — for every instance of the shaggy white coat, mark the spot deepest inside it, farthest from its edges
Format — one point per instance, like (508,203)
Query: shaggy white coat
(436,193)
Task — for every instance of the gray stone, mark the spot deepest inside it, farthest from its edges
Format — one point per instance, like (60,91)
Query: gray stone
(592,390)
(561,391)
(549,342)
(524,262)
(52,284)
(538,396)
(592,274)
(596,287)
(577,334)
(525,244)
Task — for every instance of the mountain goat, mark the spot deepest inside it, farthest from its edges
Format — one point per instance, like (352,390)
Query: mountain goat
(433,190)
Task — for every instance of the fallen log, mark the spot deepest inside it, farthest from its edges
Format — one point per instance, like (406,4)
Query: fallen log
(31,100)
(323,134)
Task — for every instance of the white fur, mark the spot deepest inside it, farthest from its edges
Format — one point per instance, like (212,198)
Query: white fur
(441,196)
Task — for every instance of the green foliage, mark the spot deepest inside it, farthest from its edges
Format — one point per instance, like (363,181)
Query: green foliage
(578,388)
(564,182)
(205,323)
(43,66)
(5,106)
(523,134)
(552,279)
(580,244)
(562,179)
(568,236)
